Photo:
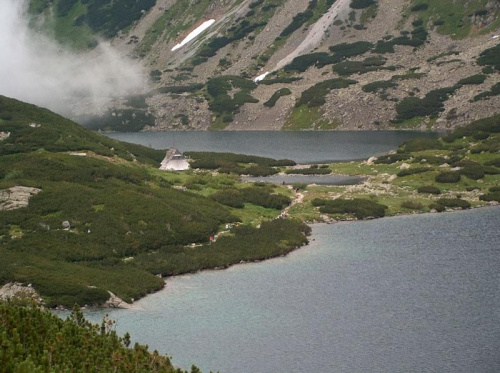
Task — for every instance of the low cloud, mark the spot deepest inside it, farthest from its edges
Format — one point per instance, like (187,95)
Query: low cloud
(35,69)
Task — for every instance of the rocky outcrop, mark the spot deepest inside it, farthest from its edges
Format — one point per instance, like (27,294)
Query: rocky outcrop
(17,291)
(16,197)
(116,302)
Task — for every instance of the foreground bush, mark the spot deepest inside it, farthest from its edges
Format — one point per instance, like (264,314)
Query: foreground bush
(35,341)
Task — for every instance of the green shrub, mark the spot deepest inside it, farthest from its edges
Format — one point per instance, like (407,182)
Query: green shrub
(302,63)
(490,170)
(494,189)
(448,177)
(489,197)
(419,7)
(276,96)
(490,57)
(437,207)
(300,19)
(421,143)
(361,67)
(392,158)
(379,85)
(431,105)
(454,203)
(480,135)
(429,189)
(413,171)
(232,198)
(259,171)
(494,91)
(309,171)
(220,101)
(487,125)
(360,208)
(257,195)
(346,50)
(315,96)
(473,79)
(494,162)
(473,172)
(234,33)
(412,205)
(362,4)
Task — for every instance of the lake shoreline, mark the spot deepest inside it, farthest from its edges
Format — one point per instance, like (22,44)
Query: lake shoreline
(310,224)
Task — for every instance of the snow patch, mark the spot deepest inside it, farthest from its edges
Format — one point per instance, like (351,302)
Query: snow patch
(193,34)
(261,77)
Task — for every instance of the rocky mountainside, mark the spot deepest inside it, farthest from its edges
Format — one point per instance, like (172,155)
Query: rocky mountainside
(298,65)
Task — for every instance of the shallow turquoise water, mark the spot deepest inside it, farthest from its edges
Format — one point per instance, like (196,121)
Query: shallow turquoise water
(409,294)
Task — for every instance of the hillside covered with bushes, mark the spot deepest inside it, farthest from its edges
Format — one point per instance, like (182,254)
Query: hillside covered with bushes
(82,215)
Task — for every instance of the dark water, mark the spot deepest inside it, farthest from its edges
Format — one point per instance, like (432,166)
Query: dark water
(302,147)
(306,179)
(408,294)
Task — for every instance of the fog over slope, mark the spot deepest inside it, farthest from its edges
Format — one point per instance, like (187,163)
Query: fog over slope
(35,69)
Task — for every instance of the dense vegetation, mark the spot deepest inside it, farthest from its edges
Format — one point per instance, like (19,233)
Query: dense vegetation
(490,57)
(240,164)
(430,105)
(359,208)
(276,96)
(315,96)
(263,196)
(222,103)
(35,341)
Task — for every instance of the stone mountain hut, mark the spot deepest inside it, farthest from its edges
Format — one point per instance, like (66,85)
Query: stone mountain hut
(174,161)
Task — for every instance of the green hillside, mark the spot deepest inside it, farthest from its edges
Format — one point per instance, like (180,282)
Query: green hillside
(105,219)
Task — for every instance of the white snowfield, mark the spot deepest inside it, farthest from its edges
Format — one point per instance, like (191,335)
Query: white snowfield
(193,34)
(261,77)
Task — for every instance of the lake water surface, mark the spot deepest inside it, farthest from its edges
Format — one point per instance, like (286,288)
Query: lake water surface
(306,179)
(417,293)
(302,147)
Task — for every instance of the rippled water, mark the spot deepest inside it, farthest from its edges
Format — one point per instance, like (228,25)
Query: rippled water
(408,294)
(302,147)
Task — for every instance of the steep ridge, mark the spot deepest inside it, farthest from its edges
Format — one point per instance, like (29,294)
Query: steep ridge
(396,52)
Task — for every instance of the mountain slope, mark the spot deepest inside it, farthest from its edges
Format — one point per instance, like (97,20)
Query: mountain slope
(408,48)
(82,214)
